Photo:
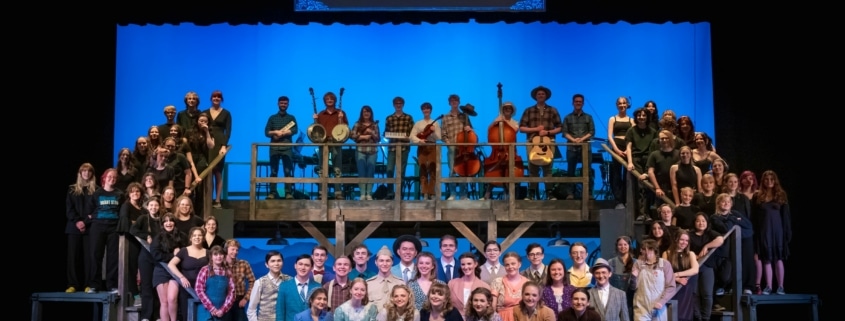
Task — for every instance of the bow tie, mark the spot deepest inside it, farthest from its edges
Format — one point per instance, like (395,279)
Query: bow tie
(319,272)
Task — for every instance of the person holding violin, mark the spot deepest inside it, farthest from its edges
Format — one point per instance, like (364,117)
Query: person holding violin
(365,131)
(426,132)
(505,116)
(330,117)
(543,121)
(458,129)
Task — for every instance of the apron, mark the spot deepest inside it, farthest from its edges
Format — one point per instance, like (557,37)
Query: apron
(216,287)
(650,285)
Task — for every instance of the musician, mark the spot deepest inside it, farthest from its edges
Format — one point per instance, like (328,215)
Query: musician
(426,132)
(276,131)
(188,117)
(539,120)
(454,122)
(578,127)
(505,116)
(365,131)
(398,122)
(329,118)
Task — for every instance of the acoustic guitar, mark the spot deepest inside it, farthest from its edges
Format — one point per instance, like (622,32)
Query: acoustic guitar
(541,154)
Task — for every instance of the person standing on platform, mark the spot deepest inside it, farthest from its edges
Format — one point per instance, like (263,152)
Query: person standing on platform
(578,127)
(397,123)
(280,129)
(540,120)
(187,118)
(426,133)
(329,118)
(454,122)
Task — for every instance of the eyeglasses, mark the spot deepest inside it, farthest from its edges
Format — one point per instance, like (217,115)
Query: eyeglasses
(535,254)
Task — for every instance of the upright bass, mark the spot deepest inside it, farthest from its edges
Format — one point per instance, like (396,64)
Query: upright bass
(496,165)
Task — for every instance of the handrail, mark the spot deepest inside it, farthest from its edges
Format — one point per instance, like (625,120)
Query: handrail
(637,174)
(167,268)
(709,253)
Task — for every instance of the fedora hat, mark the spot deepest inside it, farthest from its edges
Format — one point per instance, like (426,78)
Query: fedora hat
(601,263)
(547,90)
(406,238)
(469,109)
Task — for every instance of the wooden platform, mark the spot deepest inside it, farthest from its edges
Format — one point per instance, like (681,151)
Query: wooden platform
(415,211)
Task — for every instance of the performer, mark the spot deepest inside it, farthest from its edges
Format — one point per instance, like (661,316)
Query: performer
(329,118)
(187,119)
(221,129)
(453,123)
(170,115)
(506,116)
(365,131)
(578,127)
(278,133)
(426,132)
(544,121)
(398,122)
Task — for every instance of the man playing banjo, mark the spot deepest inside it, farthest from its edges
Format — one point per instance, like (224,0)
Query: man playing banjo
(329,118)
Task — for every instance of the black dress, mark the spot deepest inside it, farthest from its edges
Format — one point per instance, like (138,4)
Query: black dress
(772,230)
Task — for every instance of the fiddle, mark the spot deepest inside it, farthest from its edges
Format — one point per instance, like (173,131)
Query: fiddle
(429,129)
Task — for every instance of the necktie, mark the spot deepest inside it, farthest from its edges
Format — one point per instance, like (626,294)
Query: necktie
(407,275)
(302,291)
(603,297)
(448,272)
(495,270)
(536,276)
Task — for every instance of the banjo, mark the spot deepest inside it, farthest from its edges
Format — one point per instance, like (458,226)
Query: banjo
(316,132)
(340,132)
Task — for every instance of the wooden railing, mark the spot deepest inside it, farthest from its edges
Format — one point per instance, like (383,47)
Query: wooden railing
(636,175)
(511,181)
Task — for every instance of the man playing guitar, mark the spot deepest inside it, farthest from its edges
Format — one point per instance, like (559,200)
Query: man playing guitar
(540,123)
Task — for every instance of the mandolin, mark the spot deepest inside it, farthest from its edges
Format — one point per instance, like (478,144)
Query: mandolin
(541,154)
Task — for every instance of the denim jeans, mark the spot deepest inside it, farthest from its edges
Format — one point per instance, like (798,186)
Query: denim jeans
(366,169)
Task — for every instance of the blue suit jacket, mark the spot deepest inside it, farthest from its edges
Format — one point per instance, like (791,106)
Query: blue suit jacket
(306,316)
(441,271)
(288,302)
(397,271)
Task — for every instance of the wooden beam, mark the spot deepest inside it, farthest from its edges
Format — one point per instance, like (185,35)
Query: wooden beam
(469,235)
(516,234)
(317,235)
(363,235)
(340,236)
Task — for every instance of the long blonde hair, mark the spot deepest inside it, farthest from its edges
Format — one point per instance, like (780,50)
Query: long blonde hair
(407,312)
(81,185)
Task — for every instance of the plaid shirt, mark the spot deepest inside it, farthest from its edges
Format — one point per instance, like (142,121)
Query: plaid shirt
(242,270)
(534,116)
(398,124)
(206,301)
(278,121)
(339,294)
(452,125)
(353,133)
(579,126)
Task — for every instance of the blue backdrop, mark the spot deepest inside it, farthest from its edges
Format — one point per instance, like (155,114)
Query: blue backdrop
(253,65)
